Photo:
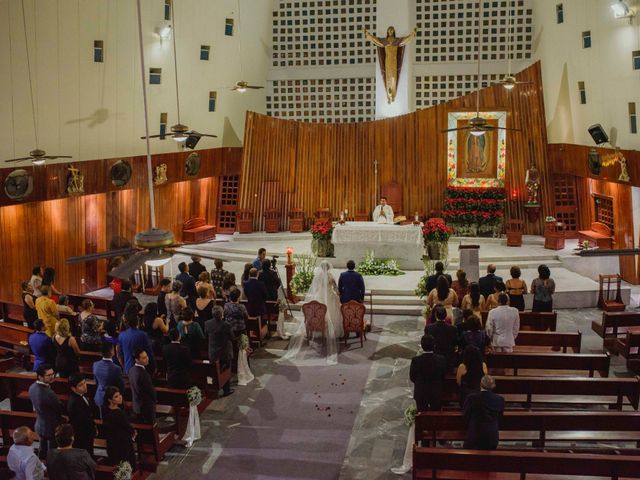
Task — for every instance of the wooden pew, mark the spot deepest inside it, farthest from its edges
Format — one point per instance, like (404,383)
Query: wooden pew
(257,330)
(556,340)
(629,348)
(150,443)
(615,393)
(103,472)
(14,340)
(536,321)
(12,313)
(613,325)
(170,401)
(536,428)
(102,305)
(550,361)
(442,462)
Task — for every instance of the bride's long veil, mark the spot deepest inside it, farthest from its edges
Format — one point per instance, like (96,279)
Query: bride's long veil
(313,352)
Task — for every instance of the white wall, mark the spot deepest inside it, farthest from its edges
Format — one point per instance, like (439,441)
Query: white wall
(606,69)
(94,110)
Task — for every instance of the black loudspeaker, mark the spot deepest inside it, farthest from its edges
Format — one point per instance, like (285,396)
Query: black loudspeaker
(192,141)
(594,162)
(598,134)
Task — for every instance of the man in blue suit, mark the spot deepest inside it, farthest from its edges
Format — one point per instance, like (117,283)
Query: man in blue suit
(106,373)
(351,284)
(488,282)
(41,345)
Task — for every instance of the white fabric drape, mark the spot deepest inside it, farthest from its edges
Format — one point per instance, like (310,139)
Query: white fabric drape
(316,351)
(245,375)
(193,426)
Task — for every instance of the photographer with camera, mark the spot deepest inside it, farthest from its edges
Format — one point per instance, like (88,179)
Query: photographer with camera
(262,254)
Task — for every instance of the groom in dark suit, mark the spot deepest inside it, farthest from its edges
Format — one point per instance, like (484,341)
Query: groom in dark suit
(351,284)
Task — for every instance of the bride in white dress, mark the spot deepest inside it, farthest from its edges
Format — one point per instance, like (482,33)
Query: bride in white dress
(314,351)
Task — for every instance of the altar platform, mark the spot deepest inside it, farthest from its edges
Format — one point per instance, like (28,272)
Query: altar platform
(575,277)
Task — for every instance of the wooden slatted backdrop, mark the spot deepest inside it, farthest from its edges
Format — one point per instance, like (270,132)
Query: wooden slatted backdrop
(320,165)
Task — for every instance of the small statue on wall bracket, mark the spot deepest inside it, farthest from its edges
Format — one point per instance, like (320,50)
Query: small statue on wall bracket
(532,183)
(160,174)
(75,181)
(390,55)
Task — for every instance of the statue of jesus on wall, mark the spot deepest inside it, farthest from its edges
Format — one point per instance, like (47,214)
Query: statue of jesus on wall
(390,54)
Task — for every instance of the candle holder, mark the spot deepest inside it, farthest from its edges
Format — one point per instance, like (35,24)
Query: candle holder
(289,256)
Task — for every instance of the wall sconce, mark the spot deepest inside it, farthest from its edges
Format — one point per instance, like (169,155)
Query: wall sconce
(621,9)
(163,31)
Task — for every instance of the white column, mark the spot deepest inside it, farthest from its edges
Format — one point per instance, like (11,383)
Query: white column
(398,14)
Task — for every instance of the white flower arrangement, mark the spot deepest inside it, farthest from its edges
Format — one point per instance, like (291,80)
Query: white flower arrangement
(123,471)
(194,396)
(378,266)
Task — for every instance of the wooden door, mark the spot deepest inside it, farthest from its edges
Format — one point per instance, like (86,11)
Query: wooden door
(565,203)
(228,203)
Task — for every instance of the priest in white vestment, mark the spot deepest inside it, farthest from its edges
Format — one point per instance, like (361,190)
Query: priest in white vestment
(383,213)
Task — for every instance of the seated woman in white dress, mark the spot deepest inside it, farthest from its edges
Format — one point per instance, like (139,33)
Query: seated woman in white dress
(315,351)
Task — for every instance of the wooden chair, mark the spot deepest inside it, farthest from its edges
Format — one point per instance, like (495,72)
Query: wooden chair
(353,320)
(323,214)
(362,217)
(245,221)
(315,318)
(272,220)
(514,233)
(599,235)
(605,302)
(296,220)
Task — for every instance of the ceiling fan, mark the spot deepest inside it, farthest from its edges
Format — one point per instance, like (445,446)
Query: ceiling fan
(241,86)
(153,247)
(509,81)
(37,156)
(478,125)
(179,132)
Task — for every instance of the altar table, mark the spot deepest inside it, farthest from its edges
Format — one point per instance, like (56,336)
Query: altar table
(402,243)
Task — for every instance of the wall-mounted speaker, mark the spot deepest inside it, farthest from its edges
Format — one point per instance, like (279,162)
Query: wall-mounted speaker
(598,134)
(192,141)
(594,162)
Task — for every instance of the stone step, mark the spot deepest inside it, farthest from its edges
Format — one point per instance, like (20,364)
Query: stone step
(382,309)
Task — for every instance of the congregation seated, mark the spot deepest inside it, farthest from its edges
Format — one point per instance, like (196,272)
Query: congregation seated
(66,461)
(488,282)
(91,328)
(432,280)
(256,294)
(190,332)
(21,459)
(178,361)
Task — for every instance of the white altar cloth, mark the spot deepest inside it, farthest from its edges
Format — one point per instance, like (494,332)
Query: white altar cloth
(403,243)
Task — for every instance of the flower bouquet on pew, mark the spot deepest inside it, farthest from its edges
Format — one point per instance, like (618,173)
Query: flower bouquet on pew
(194,396)
(123,471)
(244,372)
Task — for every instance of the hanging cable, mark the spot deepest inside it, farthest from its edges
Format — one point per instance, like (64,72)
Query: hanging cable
(26,43)
(152,209)
(175,60)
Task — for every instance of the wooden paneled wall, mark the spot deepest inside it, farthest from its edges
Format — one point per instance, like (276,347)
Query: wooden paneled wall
(571,159)
(331,165)
(48,231)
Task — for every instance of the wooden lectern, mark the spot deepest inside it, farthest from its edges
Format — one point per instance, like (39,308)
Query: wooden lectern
(470,261)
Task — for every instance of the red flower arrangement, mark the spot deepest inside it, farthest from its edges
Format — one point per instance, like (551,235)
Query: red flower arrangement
(474,205)
(436,230)
(322,229)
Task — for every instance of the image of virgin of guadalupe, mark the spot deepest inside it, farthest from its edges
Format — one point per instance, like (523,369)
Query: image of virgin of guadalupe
(476,153)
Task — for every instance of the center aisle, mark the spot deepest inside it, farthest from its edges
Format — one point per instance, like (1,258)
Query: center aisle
(300,424)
